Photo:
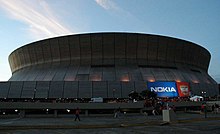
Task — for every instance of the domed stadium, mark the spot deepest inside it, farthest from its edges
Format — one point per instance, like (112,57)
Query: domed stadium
(107,65)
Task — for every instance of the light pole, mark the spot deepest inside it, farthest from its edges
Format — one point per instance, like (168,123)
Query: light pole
(35,92)
(205,108)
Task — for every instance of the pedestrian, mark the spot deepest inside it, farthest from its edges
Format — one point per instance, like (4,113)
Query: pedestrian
(174,108)
(213,108)
(202,107)
(77,114)
(117,112)
(154,112)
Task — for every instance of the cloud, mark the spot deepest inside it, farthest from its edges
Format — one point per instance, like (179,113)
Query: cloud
(107,4)
(114,9)
(111,6)
(37,15)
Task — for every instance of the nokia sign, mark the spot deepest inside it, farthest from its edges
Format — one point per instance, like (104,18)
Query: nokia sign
(163,89)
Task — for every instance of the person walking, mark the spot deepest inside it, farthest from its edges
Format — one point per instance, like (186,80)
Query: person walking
(117,112)
(203,107)
(174,108)
(77,114)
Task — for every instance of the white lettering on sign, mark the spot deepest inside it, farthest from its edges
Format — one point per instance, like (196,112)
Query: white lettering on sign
(163,89)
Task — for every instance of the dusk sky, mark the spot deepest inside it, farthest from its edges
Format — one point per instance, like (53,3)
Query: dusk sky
(26,21)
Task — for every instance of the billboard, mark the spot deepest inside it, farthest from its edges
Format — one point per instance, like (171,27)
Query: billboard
(183,89)
(163,89)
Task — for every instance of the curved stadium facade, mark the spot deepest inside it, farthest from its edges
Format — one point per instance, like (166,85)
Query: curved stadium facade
(107,65)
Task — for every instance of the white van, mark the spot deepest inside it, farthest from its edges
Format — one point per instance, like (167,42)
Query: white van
(98,99)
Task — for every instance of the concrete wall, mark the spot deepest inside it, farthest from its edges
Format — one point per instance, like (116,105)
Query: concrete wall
(83,89)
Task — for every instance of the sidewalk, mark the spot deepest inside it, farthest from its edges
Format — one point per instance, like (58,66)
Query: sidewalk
(98,122)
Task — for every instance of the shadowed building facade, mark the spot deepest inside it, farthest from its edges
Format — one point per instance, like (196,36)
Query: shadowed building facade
(108,65)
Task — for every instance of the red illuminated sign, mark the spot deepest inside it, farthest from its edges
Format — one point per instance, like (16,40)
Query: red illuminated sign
(183,89)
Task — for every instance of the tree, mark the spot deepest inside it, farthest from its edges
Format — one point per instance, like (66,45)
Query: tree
(148,94)
(134,95)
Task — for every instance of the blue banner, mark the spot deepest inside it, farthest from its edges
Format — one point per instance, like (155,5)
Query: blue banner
(163,89)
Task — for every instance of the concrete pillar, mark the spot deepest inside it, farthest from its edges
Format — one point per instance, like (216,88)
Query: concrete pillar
(169,116)
(55,113)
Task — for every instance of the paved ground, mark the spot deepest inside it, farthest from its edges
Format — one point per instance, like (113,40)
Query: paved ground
(187,122)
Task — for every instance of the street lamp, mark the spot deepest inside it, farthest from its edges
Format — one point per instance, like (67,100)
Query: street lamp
(205,110)
(204,94)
